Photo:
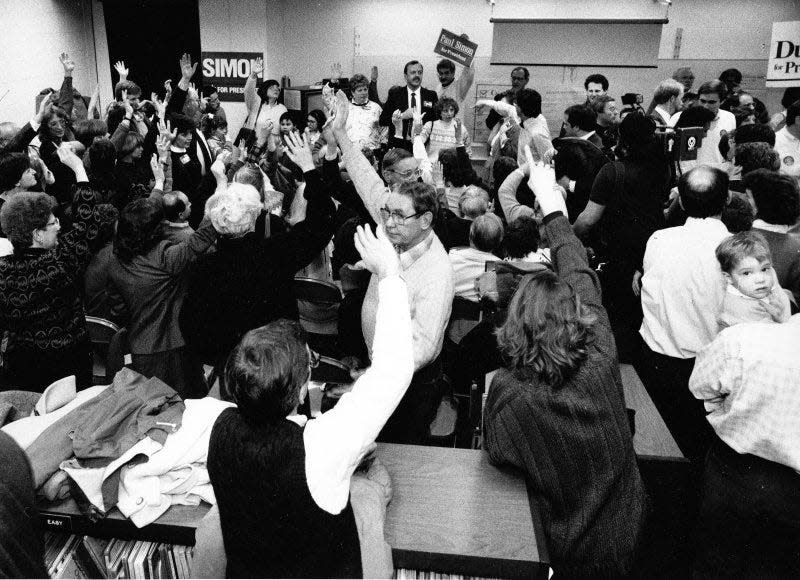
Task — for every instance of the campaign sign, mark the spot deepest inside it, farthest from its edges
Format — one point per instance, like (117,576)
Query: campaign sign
(783,69)
(455,47)
(228,71)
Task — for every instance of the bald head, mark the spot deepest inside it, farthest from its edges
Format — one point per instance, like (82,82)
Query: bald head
(703,191)
(7,131)
(176,206)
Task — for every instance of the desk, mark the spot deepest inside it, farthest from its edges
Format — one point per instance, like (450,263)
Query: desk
(453,512)
(652,439)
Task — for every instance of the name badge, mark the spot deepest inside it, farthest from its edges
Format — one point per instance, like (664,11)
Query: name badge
(428,104)
(185,159)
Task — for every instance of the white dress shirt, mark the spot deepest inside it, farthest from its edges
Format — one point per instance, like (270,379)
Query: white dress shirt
(682,287)
(747,378)
(418,96)
(708,153)
(468,264)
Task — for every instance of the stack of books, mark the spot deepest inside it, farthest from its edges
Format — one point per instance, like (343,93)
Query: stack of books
(71,556)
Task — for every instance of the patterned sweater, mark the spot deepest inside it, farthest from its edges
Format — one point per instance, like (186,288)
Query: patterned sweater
(41,306)
(573,442)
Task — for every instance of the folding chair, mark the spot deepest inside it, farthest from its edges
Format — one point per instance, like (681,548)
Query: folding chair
(109,348)
(318,306)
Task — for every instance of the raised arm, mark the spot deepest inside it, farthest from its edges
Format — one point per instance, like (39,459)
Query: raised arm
(367,182)
(251,99)
(178,98)
(336,441)
(65,100)
(567,252)
(465,80)
(507,195)
(373,87)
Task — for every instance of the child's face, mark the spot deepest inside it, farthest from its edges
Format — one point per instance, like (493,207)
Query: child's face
(448,113)
(287,126)
(752,277)
(220,133)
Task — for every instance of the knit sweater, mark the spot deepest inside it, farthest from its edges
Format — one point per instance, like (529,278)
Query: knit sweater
(271,526)
(41,307)
(440,135)
(573,441)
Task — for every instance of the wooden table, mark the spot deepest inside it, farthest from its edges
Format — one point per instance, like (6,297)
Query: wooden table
(453,512)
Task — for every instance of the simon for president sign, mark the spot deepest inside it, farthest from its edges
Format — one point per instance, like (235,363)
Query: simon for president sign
(228,71)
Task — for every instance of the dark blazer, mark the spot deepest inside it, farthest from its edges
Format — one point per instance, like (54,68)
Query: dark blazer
(397,100)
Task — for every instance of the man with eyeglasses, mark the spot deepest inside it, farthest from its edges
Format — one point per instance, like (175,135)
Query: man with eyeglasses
(711,94)
(519,79)
(407,210)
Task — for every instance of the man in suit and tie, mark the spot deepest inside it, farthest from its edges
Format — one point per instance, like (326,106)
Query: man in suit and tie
(409,99)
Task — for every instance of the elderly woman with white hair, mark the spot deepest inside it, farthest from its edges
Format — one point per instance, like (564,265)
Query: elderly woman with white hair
(248,281)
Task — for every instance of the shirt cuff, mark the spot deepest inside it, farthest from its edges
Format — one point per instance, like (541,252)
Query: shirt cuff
(34,125)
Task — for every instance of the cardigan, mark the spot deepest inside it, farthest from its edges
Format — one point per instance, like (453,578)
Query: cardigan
(573,441)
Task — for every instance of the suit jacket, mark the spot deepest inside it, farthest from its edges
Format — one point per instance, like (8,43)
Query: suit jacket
(398,100)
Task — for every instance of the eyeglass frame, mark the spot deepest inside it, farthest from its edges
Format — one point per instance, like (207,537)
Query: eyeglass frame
(406,174)
(398,219)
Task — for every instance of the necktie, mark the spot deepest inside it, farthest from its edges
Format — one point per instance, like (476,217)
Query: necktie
(414,109)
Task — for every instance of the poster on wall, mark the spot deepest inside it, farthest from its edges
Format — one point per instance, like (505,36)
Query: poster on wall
(457,48)
(228,71)
(783,69)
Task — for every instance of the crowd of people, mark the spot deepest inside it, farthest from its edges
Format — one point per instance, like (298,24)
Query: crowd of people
(609,243)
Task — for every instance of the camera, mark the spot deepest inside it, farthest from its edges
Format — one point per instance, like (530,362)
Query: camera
(632,99)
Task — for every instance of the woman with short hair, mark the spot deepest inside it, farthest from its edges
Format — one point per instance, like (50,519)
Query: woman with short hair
(42,323)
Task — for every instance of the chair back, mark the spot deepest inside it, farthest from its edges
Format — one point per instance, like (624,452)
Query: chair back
(318,305)
(109,347)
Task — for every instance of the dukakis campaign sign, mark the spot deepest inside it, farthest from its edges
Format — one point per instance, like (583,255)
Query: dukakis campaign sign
(228,71)
(783,69)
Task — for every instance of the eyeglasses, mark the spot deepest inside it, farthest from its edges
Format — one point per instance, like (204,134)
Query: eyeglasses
(398,217)
(416,171)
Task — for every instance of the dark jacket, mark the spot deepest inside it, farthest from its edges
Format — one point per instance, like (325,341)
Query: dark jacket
(573,442)
(152,287)
(248,281)
(397,100)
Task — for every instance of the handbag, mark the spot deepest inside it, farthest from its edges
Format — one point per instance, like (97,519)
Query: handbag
(246,134)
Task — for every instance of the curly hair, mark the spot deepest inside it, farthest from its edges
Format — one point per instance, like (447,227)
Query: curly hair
(138,229)
(446,102)
(548,330)
(22,214)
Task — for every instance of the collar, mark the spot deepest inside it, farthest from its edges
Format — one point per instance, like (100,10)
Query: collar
(414,253)
(410,90)
(705,223)
(733,290)
(663,112)
(364,106)
(176,149)
(588,135)
(177,224)
(777,228)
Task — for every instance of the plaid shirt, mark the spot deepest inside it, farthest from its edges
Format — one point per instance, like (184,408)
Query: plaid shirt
(749,380)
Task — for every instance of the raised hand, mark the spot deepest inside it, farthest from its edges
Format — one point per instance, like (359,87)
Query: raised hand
(67,156)
(218,167)
(187,68)
(542,182)
(299,151)
(67,63)
(126,104)
(328,136)
(407,114)
(166,130)
(161,106)
(163,141)
(44,107)
(121,69)
(416,125)
(373,74)
(438,174)
(157,169)
(257,68)
(342,111)
(377,253)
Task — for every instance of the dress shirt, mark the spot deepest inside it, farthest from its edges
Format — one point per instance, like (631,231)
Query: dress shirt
(788,147)
(468,264)
(458,89)
(682,287)
(336,441)
(418,96)
(747,378)
(665,116)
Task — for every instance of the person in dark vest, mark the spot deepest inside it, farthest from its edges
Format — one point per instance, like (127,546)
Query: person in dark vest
(283,490)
